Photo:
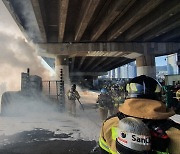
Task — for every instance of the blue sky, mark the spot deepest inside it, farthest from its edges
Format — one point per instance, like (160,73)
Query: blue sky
(160,61)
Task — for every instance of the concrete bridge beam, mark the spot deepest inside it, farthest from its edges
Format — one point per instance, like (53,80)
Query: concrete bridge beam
(146,63)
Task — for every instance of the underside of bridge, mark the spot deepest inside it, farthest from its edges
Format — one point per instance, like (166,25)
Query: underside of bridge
(99,35)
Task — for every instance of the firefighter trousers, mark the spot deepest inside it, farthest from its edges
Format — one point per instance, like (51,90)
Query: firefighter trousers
(104,111)
(72,107)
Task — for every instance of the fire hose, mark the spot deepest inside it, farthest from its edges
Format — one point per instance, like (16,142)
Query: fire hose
(81,104)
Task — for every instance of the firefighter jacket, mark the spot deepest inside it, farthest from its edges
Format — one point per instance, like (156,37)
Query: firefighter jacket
(139,108)
(73,95)
(178,95)
(105,101)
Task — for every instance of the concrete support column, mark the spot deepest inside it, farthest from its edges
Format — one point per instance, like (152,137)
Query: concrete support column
(118,72)
(146,65)
(62,62)
(172,66)
(113,73)
(109,74)
(95,81)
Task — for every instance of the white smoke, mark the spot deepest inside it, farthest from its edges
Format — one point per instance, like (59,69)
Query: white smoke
(30,24)
(16,54)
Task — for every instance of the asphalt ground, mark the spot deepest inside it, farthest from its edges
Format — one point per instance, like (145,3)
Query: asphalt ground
(38,141)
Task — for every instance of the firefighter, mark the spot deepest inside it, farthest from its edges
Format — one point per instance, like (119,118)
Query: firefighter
(73,95)
(177,110)
(169,96)
(120,135)
(178,95)
(105,104)
(116,97)
(118,100)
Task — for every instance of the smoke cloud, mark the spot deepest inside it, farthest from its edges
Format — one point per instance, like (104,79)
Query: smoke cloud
(16,54)
(30,24)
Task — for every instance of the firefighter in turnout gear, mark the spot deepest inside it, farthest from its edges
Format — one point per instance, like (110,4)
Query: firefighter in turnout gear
(142,124)
(72,95)
(178,95)
(117,97)
(105,104)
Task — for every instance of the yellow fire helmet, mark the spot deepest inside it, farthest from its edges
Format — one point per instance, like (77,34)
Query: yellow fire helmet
(144,87)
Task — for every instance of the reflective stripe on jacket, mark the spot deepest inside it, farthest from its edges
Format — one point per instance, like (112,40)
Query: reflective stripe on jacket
(103,144)
(107,140)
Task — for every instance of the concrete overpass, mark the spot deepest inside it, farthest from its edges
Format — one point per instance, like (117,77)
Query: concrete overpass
(90,37)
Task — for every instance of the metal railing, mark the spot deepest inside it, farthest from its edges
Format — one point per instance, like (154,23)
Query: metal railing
(54,90)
